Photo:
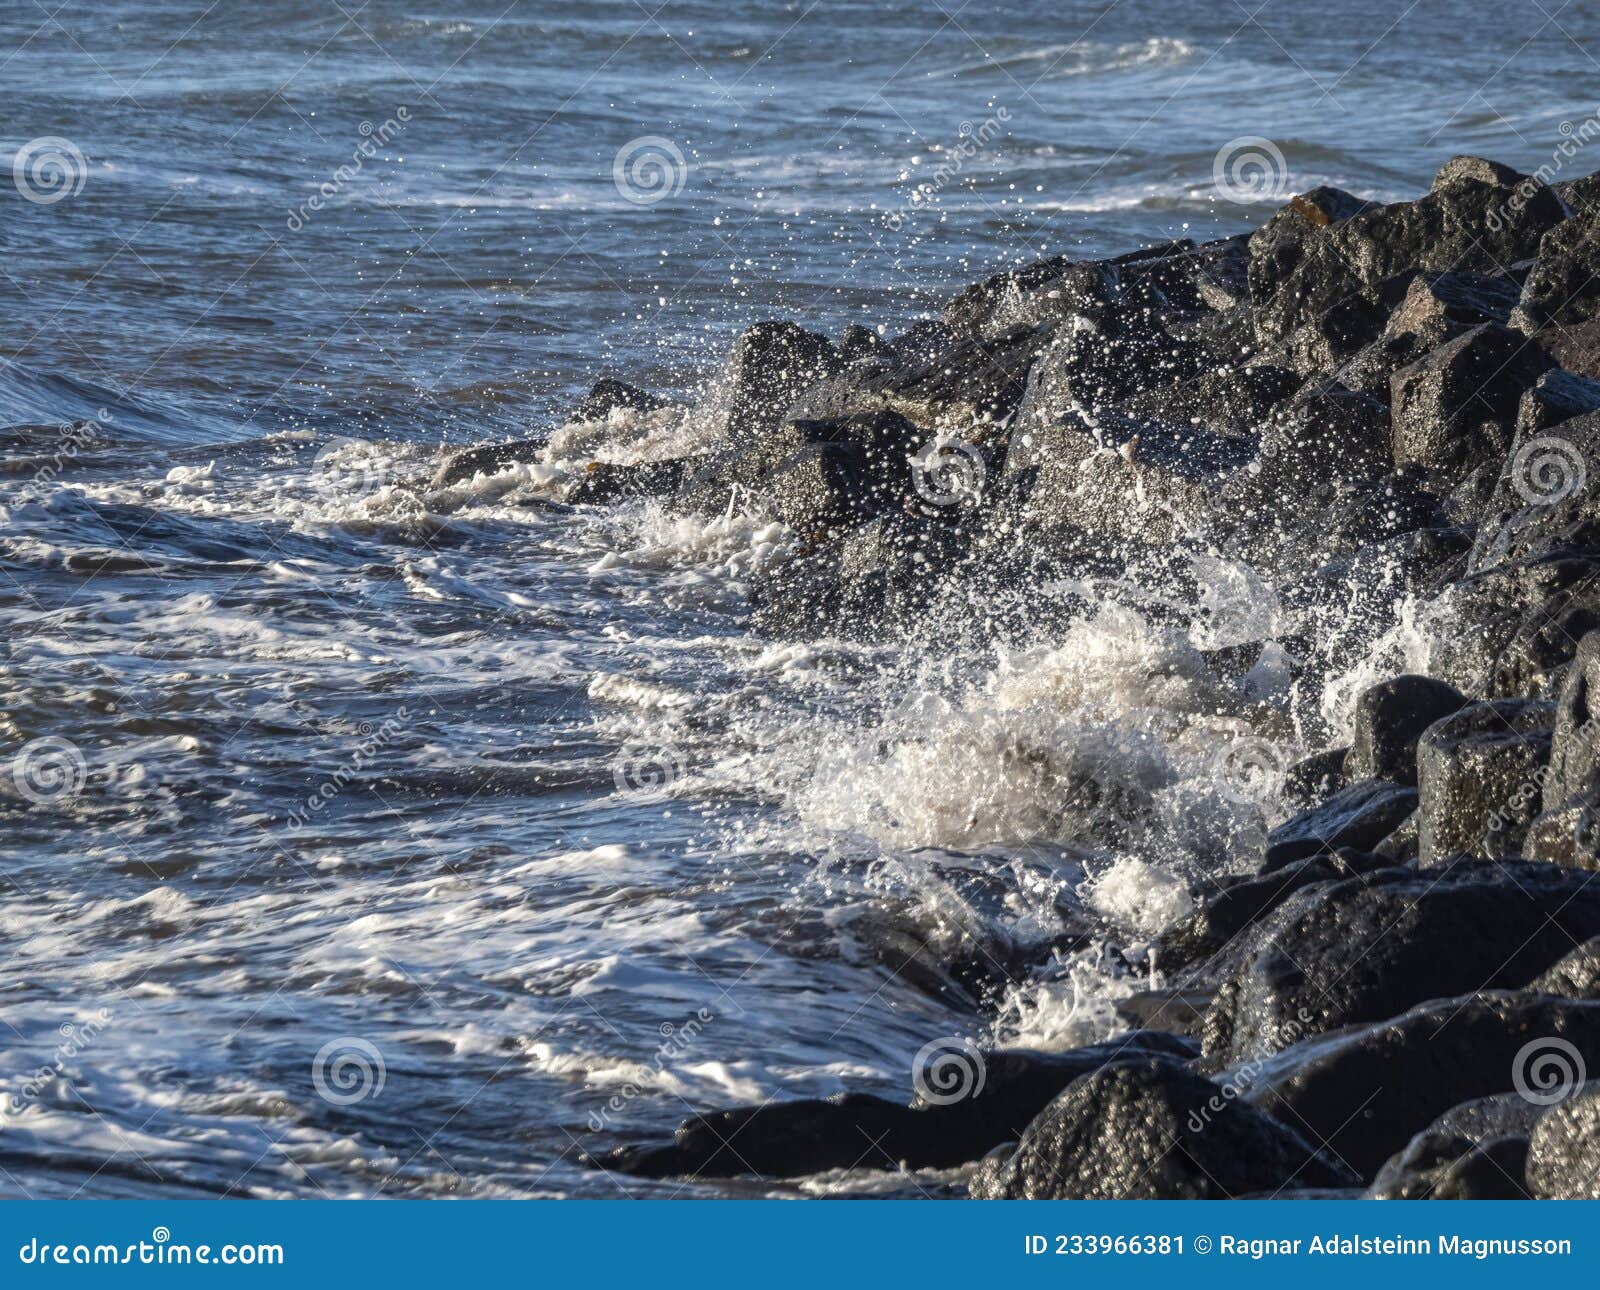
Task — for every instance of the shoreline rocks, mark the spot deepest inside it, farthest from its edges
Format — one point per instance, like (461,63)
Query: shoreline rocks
(1370,405)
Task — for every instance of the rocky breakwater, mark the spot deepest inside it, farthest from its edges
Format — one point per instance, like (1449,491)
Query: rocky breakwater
(1374,406)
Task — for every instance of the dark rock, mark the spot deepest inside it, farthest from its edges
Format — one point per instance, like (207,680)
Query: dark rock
(1047,291)
(1153,1131)
(787,1139)
(1096,365)
(1475,1151)
(604,482)
(1564,1150)
(1226,399)
(1367,948)
(1479,773)
(1312,781)
(1241,902)
(772,364)
(485,459)
(861,344)
(1561,290)
(1120,476)
(606,396)
(1390,718)
(1577,976)
(1476,170)
(1575,743)
(1566,835)
(1359,816)
(1453,410)
(1367,1092)
(1555,398)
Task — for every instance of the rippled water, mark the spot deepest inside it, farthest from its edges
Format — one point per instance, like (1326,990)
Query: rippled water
(364,838)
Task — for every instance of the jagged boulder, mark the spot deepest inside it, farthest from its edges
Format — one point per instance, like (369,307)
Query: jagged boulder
(1454,410)
(1479,777)
(1390,718)
(772,364)
(606,396)
(1350,952)
(1153,1131)
(1358,816)
(984,1099)
(1577,976)
(1475,1151)
(1564,1149)
(1366,1092)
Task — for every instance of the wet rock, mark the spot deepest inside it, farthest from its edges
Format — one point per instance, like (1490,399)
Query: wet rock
(485,459)
(1564,1150)
(1240,902)
(1369,947)
(606,396)
(1453,410)
(1359,816)
(1367,1092)
(1226,399)
(861,344)
(1466,169)
(1475,1151)
(1120,476)
(1312,781)
(1327,430)
(1566,835)
(1004,1090)
(1577,976)
(1390,718)
(1479,776)
(603,482)
(1048,291)
(1094,365)
(1575,742)
(1555,398)
(1561,291)
(1153,1131)
(772,364)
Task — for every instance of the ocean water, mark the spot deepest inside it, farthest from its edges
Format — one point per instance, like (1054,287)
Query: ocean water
(362,838)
